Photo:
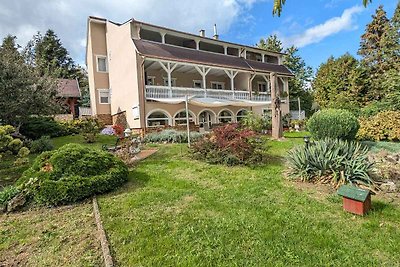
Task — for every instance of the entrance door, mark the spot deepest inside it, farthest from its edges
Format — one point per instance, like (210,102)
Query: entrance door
(205,120)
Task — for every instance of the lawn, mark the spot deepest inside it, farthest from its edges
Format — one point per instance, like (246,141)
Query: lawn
(179,212)
(64,236)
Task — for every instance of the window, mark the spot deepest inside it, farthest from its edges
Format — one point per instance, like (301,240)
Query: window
(259,58)
(241,114)
(157,118)
(151,80)
(225,116)
(197,84)
(262,87)
(218,85)
(173,81)
(102,64)
(104,96)
(180,118)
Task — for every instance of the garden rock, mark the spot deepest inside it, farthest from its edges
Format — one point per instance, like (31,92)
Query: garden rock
(389,187)
(16,203)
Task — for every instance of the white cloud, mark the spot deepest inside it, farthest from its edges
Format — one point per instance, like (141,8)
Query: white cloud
(67,18)
(319,32)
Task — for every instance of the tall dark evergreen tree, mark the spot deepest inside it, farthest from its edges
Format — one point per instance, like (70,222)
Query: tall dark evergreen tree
(22,91)
(271,43)
(374,47)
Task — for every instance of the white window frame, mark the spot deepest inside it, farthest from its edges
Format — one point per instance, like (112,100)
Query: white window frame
(109,95)
(198,81)
(177,120)
(218,83)
(97,63)
(153,78)
(173,81)
(232,116)
(238,117)
(168,119)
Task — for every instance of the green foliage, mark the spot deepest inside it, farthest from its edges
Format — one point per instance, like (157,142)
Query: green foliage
(90,127)
(333,123)
(230,145)
(15,145)
(42,144)
(72,173)
(298,85)
(255,122)
(23,152)
(383,126)
(36,127)
(23,92)
(331,160)
(389,102)
(171,136)
(6,194)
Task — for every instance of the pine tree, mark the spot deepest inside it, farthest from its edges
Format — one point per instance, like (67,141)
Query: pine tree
(373,48)
(272,43)
(340,83)
(22,91)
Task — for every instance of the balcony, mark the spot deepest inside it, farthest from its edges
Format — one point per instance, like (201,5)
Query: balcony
(163,92)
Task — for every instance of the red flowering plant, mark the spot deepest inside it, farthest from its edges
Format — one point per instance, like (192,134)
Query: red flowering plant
(119,130)
(231,145)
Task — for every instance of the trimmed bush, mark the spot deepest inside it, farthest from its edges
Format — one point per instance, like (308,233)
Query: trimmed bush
(171,136)
(331,161)
(383,126)
(230,145)
(72,173)
(255,122)
(333,123)
(41,145)
(6,194)
(36,127)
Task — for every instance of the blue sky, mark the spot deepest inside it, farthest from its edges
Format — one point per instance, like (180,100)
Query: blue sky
(297,18)
(320,28)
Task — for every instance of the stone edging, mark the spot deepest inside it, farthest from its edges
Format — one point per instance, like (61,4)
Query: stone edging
(108,261)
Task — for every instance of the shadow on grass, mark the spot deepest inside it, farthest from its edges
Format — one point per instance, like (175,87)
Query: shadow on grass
(379,207)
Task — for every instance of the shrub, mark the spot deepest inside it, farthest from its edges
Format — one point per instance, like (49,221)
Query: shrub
(171,136)
(256,122)
(108,131)
(383,126)
(15,145)
(23,152)
(90,127)
(229,145)
(118,129)
(333,123)
(331,160)
(42,144)
(35,127)
(72,173)
(7,194)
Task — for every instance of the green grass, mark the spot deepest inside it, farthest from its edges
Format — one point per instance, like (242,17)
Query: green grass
(64,236)
(10,173)
(179,212)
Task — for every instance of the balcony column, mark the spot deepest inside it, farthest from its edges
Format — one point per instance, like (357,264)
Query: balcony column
(203,72)
(225,50)
(263,58)
(162,37)
(232,74)
(250,89)
(169,69)
(197,44)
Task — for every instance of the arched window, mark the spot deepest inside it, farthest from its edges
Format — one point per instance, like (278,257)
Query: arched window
(157,118)
(241,114)
(180,118)
(225,116)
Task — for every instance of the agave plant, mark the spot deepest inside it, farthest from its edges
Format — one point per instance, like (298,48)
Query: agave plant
(331,160)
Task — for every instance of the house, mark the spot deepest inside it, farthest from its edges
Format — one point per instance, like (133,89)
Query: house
(145,74)
(69,92)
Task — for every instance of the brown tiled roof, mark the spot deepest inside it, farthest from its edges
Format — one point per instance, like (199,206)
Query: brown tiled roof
(68,88)
(175,53)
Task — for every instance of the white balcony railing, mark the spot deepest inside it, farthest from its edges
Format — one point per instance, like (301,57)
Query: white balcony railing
(159,92)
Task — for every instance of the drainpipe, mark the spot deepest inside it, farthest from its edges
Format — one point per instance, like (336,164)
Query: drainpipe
(142,102)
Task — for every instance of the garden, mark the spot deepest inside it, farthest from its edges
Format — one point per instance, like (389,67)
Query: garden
(235,197)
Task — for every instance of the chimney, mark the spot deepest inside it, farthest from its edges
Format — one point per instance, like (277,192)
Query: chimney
(215,32)
(202,33)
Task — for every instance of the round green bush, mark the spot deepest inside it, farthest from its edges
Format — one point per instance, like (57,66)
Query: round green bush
(72,173)
(333,123)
